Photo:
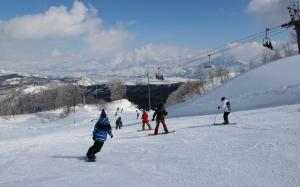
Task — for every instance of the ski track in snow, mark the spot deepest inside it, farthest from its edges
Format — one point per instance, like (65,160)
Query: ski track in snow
(263,149)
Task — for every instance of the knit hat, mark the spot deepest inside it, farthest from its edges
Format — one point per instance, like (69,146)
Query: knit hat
(103,114)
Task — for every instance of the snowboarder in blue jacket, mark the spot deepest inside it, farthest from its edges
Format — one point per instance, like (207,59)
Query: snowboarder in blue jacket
(101,129)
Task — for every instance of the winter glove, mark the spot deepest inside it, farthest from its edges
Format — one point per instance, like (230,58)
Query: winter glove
(111,136)
(219,107)
(94,138)
(152,119)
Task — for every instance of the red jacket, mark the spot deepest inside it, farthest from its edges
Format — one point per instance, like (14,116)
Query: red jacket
(145,117)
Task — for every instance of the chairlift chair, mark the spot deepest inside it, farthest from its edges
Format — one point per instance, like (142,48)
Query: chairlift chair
(159,76)
(208,64)
(267,41)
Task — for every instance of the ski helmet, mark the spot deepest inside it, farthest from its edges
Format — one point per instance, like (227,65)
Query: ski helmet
(223,98)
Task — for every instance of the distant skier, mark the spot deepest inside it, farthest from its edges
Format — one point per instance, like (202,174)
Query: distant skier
(101,129)
(145,121)
(226,108)
(160,113)
(137,114)
(119,123)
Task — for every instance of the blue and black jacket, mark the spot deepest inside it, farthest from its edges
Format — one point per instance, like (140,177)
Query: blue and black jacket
(101,129)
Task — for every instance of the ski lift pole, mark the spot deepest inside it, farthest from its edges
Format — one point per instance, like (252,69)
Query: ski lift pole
(149,92)
(267,30)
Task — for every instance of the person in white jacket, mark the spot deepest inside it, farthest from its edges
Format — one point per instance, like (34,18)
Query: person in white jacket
(226,108)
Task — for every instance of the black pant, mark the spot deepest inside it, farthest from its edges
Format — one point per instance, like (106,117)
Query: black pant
(225,116)
(119,126)
(94,149)
(157,126)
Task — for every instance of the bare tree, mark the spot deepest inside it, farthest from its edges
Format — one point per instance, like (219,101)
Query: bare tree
(288,50)
(275,56)
(222,73)
(264,58)
(200,73)
(185,91)
(68,96)
(211,75)
(293,36)
(117,89)
(18,102)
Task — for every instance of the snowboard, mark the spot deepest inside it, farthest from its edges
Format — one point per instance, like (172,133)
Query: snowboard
(144,130)
(224,124)
(90,160)
(161,133)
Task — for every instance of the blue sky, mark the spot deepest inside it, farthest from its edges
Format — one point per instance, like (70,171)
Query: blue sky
(190,23)
(90,33)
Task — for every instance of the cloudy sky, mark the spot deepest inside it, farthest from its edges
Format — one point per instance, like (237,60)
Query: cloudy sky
(40,35)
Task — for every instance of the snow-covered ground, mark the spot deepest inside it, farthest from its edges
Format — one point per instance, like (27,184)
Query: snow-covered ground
(34,89)
(261,150)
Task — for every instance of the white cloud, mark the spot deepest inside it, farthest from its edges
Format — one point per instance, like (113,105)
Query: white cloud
(159,54)
(55,22)
(107,41)
(270,12)
(246,52)
(56,53)
(58,23)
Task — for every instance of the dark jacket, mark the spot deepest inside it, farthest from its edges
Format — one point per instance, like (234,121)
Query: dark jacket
(160,112)
(119,122)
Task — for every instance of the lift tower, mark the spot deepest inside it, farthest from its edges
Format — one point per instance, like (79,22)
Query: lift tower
(294,12)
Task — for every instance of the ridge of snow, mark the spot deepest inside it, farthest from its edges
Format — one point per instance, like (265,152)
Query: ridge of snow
(4,72)
(123,103)
(84,81)
(273,84)
(34,89)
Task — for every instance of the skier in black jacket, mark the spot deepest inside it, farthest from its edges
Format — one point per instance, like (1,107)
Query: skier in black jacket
(119,123)
(160,113)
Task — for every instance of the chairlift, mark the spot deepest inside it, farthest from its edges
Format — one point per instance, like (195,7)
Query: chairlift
(159,76)
(208,64)
(267,41)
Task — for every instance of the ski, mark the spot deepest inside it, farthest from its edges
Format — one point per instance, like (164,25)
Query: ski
(87,159)
(90,160)
(145,130)
(161,133)
(224,124)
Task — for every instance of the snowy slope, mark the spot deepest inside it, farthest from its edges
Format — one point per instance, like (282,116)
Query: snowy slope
(273,84)
(262,150)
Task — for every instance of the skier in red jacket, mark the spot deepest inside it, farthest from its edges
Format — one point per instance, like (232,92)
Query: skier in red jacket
(145,121)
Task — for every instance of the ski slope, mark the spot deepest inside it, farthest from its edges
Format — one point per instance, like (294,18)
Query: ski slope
(274,84)
(262,150)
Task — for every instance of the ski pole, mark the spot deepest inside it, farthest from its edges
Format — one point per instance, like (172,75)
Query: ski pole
(236,116)
(216,116)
